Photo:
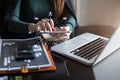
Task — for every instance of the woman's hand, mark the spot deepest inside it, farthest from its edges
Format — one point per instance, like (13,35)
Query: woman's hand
(42,25)
(46,25)
(64,36)
(33,27)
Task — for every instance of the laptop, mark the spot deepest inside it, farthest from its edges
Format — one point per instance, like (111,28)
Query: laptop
(89,48)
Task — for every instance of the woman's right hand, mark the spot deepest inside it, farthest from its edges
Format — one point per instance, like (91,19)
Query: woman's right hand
(46,25)
(42,25)
(32,27)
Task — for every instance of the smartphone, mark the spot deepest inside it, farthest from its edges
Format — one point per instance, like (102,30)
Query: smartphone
(54,32)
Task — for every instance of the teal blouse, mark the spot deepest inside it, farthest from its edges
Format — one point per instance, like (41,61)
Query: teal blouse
(26,11)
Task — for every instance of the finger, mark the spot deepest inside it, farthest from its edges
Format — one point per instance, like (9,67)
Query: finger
(47,20)
(40,25)
(45,24)
(52,25)
(32,27)
(64,28)
(48,26)
(43,20)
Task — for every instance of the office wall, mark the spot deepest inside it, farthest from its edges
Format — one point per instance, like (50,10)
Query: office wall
(105,12)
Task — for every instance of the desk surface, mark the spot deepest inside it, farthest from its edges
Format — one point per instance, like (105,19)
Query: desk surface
(78,71)
(108,69)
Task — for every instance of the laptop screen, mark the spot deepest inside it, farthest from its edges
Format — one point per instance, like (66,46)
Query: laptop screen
(113,45)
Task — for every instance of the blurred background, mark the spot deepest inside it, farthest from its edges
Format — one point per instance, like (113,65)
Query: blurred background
(98,12)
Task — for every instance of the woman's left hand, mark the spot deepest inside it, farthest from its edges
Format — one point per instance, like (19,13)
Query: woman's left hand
(63,36)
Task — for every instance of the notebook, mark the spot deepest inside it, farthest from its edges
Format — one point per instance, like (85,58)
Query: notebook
(89,48)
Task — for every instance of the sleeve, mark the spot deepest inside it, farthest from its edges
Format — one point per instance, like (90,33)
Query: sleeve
(15,24)
(71,20)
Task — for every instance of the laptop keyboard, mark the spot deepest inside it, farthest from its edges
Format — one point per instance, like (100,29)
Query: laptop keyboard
(91,49)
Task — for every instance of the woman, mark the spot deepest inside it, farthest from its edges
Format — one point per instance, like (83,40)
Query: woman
(30,16)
